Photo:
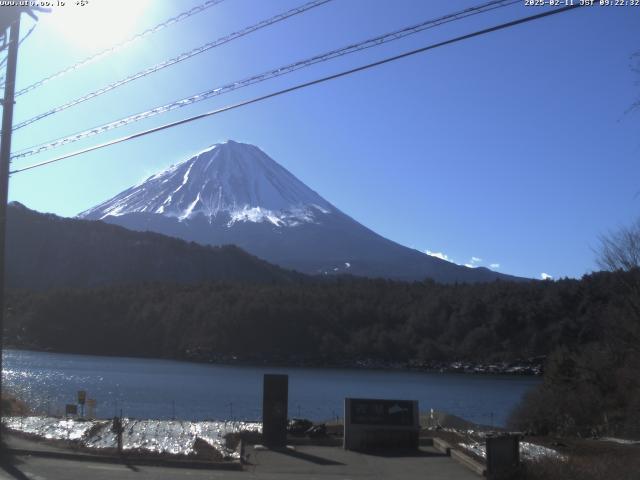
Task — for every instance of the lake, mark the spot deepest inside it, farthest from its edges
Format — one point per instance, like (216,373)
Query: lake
(164,389)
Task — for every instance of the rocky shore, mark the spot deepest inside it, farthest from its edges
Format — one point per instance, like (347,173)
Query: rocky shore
(528,366)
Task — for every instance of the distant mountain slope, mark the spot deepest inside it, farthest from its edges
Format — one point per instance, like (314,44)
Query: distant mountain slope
(45,251)
(233,193)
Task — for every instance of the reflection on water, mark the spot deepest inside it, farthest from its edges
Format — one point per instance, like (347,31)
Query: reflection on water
(163,389)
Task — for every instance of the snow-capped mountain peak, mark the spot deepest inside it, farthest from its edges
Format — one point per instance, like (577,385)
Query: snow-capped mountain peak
(232,181)
(234,194)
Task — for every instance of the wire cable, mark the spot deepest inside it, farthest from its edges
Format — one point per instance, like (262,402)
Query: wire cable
(300,86)
(277,72)
(114,48)
(180,58)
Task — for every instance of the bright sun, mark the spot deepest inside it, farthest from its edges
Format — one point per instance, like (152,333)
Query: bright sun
(97,24)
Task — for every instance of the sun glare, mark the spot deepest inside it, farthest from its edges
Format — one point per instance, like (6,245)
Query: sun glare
(96,24)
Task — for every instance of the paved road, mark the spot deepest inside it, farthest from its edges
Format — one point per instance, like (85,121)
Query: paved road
(307,462)
(39,468)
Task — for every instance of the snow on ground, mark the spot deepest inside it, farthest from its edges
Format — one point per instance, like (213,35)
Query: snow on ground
(157,436)
(49,428)
(621,441)
(528,451)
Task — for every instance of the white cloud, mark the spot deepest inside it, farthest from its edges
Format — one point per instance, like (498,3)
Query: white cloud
(440,255)
(546,276)
(473,262)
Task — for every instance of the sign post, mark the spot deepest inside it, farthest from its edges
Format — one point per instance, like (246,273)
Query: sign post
(70,409)
(118,429)
(82,397)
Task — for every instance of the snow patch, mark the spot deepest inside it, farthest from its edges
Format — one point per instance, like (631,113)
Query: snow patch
(622,441)
(187,213)
(322,210)
(158,436)
(528,450)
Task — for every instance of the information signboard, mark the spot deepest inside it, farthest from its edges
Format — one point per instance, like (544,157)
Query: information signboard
(381,412)
(371,423)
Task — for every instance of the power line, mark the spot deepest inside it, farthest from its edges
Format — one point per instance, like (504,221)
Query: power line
(170,21)
(300,86)
(277,72)
(180,58)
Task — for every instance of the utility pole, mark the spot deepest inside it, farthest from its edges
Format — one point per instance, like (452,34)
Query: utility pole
(5,159)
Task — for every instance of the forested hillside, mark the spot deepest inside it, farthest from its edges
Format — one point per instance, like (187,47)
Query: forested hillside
(319,323)
(45,251)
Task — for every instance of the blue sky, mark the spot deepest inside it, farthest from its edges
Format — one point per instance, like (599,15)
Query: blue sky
(512,148)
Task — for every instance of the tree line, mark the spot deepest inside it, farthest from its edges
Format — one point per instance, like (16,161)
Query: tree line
(319,322)
(593,387)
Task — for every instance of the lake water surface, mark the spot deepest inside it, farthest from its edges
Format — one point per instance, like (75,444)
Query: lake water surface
(163,389)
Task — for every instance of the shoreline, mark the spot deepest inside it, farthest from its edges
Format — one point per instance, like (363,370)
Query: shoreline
(521,367)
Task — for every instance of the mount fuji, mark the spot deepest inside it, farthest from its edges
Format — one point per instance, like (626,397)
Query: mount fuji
(234,193)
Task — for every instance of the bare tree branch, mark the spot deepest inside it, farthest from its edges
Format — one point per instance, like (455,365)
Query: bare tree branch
(621,250)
